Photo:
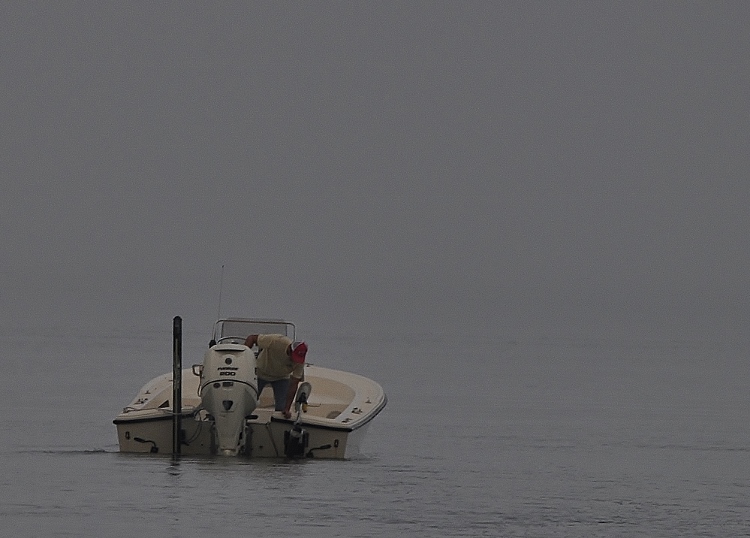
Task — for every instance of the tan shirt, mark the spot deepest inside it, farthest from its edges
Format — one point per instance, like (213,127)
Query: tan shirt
(273,362)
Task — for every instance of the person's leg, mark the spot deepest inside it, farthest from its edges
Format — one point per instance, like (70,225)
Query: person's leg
(280,389)
(261,383)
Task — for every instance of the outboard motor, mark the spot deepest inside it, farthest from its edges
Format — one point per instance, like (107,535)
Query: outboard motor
(297,439)
(229,392)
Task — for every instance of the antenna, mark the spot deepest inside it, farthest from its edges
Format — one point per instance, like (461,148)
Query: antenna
(221,287)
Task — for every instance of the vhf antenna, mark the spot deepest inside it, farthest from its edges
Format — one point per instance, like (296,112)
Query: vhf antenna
(221,287)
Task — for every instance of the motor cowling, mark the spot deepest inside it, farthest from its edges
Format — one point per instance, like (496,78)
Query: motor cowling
(229,392)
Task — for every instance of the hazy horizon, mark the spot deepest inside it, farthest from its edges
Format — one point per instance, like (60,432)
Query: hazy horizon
(484,167)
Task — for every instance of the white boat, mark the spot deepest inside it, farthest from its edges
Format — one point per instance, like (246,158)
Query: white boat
(222,413)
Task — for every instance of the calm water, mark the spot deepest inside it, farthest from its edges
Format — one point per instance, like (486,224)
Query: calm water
(538,437)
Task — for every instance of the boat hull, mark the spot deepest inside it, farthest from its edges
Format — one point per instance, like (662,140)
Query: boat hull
(263,438)
(340,409)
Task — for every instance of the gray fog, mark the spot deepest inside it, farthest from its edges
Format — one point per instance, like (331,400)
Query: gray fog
(465,168)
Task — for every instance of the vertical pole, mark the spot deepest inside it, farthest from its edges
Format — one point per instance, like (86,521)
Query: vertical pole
(177,385)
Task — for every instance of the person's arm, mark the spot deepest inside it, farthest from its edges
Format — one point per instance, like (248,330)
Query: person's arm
(293,383)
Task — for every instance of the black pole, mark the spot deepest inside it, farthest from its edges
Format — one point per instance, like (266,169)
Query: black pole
(176,385)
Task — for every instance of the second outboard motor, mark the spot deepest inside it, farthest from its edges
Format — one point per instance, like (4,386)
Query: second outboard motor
(229,392)
(296,440)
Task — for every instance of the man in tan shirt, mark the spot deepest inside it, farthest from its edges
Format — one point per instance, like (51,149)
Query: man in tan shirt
(281,363)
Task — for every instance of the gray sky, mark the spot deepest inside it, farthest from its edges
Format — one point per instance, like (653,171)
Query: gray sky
(494,167)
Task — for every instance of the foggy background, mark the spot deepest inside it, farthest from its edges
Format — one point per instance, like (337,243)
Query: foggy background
(455,168)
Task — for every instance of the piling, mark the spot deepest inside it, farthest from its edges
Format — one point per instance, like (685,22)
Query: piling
(177,385)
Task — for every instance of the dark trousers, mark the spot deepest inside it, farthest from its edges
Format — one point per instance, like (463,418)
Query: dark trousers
(280,389)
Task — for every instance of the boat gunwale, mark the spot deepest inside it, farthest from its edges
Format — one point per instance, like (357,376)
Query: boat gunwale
(167,415)
(354,426)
